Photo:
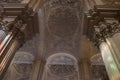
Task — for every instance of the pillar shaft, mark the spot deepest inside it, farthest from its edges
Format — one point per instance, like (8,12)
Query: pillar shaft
(110,54)
(8,57)
(8,47)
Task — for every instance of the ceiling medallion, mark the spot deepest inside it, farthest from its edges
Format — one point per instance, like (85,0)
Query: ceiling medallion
(63,21)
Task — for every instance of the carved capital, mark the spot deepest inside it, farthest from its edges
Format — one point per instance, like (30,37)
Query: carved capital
(102,22)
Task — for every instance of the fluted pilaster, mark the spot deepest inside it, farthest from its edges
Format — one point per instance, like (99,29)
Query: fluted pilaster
(8,47)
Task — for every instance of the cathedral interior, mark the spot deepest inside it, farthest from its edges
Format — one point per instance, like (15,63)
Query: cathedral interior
(59,39)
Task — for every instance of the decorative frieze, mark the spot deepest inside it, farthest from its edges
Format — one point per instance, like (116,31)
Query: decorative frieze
(105,30)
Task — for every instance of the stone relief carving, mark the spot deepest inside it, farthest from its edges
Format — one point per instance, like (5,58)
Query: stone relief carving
(23,64)
(62,70)
(63,21)
(14,1)
(97,59)
(61,66)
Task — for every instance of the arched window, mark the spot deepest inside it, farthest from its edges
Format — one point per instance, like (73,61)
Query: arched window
(61,66)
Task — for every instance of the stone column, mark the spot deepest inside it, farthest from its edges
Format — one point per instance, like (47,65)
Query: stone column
(8,47)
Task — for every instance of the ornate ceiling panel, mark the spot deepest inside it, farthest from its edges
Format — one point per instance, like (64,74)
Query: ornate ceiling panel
(62,70)
(63,17)
(63,24)
(62,21)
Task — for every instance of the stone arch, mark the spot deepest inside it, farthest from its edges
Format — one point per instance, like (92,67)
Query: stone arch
(61,66)
(57,55)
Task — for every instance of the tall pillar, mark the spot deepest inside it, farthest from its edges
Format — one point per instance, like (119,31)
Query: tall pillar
(8,47)
(14,38)
(103,23)
(110,51)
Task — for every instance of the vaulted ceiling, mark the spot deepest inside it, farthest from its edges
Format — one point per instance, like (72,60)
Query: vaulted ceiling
(56,28)
(59,31)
